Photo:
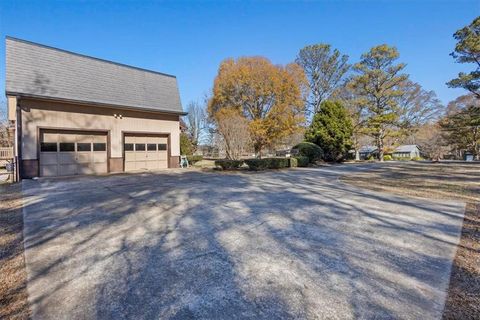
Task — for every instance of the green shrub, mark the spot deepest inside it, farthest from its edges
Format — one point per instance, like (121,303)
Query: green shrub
(257,164)
(371,158)
(186,146)
(309,150)
(228,164)
(193,159)
(293,162)
(417,159)
(387,157)
(331,129)
(267,163)
(302,161)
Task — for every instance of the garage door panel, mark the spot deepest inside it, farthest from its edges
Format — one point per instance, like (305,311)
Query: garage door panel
(84,157)
(129,165)
(85,168)
(163,164)
(152,155)
(139,165)
(100,167)
(100,157)
(129,156)
(67,158)
(67,138)
(48,170)
(48,158)
(67,169)
(145,152)
(65,153)
(152,165)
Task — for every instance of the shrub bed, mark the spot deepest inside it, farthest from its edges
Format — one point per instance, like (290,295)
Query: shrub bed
(309,150)
(267,163)
(193,159)
(302,161)
(228,164)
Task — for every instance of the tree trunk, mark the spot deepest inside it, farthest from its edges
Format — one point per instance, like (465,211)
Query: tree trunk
(380,146)
(258,150)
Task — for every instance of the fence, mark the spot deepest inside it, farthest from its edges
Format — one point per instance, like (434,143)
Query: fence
(7,173)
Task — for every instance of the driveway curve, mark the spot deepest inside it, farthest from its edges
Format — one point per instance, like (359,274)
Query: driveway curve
(194,245)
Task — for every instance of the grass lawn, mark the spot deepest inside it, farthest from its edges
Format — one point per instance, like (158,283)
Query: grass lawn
(458,181)
(13,277)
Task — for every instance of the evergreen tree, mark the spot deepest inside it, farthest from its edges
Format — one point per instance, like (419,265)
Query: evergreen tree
(331,130)
(467,50)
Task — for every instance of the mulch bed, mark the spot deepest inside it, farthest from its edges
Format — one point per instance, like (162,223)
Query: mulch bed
(13,276)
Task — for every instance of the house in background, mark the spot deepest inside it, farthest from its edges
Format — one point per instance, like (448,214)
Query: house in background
(366,152)
(76,114)
(408,151)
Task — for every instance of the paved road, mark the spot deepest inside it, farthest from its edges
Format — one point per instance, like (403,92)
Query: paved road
(192,245)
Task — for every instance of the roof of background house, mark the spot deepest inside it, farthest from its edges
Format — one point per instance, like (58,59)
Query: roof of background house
(367,149)
(406,148)
(40,71)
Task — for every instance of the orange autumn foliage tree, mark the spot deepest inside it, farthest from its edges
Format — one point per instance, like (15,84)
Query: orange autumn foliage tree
(270,97)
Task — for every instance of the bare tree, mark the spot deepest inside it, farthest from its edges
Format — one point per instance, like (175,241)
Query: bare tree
(417,106)
(6,140)
(235,133)
(195,121)
(325,69)
(430,140)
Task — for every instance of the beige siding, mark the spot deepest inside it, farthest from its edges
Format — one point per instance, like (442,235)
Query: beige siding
(41,114)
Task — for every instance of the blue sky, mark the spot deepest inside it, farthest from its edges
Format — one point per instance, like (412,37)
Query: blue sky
(190,38)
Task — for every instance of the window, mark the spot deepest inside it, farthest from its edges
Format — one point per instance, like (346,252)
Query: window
(48,147)
(84,146)
(67,146)
(99,146)
(162,146)
(139,147)
(151,147)
(128,146)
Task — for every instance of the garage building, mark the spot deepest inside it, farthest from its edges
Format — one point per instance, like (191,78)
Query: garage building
(76,114)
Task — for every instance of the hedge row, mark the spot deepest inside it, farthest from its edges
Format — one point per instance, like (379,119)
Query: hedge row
(263,164)
(228,164)
(193,159)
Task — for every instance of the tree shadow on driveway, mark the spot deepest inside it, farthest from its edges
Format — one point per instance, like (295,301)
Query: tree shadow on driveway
(285,244)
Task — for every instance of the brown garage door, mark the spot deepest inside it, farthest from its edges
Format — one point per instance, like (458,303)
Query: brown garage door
(64,153)
(145,153)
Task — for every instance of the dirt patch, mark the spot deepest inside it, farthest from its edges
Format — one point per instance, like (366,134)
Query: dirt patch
(463,301)
(13,276)
(441,181)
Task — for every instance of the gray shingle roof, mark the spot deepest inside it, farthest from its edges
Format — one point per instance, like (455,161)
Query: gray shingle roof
(406,148)
(367,149)
(41,71)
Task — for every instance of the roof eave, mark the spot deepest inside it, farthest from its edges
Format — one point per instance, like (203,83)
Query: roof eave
(93,103)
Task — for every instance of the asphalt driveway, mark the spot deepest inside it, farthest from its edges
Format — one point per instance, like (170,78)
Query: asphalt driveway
(193,245)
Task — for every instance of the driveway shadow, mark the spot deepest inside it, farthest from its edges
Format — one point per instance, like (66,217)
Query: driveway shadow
(286,244)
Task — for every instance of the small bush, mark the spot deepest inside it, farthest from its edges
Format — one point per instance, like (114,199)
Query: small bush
(387,157)
(417,159)
(302,161)
(193,159)
(267,163)
(293,162)
(228,164)
(309,150)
